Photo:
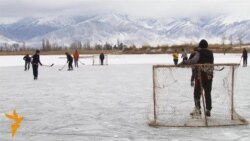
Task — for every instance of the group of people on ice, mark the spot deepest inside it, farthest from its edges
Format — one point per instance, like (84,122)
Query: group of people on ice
(184,56)
(175,54)
(201,79)
(35,61)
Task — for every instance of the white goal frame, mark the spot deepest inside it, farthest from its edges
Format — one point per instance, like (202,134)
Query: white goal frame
(95,60)
(235,118)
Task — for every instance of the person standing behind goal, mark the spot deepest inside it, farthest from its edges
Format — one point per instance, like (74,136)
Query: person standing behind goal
(102,58)
(244,55)
(35,63)
(203,56)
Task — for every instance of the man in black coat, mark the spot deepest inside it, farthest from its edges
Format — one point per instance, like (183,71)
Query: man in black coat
(205,76)
(69,61)
(244,55)
(101,58)
(35,62)
(27,60)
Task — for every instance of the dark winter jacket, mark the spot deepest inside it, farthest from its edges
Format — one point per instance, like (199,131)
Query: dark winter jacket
(206,56)
(26,58)
(69,58)
(102,56)
(244,54)
(36,59)
(203,56)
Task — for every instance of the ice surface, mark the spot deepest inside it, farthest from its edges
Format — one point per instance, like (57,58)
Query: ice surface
(96,103)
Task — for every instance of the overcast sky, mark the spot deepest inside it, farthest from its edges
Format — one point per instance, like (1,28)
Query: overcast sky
(16,9)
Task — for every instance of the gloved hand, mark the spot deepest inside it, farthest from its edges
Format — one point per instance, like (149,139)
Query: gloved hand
(192,83)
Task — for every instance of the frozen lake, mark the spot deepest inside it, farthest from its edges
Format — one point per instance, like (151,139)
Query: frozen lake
(95,103)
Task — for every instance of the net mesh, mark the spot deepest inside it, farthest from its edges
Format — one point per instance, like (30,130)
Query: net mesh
(173,98)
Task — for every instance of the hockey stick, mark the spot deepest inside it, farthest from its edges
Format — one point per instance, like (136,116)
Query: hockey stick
(63,67)
(202,96)
(49,65)
(240,59)
(81,62)
(219,69)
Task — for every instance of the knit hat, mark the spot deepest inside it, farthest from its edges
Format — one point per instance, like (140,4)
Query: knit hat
(203,44)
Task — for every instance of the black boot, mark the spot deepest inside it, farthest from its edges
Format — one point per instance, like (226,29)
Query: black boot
(208,114)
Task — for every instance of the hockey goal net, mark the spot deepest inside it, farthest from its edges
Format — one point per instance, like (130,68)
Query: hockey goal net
(93,60)
(173,97)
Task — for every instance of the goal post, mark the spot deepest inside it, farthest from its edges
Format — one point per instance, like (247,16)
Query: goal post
(93,60)
(97,61)
(173,97)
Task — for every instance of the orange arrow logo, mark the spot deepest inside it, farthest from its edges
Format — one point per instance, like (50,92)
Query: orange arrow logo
(17,121)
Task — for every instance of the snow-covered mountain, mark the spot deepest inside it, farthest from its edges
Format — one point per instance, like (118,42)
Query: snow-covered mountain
(113,27)
(6,40)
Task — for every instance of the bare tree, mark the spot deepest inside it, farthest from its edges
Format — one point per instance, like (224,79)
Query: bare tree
(223,38)
(240,39)
(231,40)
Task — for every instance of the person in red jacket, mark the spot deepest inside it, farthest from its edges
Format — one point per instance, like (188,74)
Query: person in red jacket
(76,58)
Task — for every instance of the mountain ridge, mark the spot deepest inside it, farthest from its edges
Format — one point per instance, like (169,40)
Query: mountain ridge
(129,30)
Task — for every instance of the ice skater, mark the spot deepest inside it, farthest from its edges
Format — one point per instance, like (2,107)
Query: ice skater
(69,61)
(175,57)
(27,60)
(35,62)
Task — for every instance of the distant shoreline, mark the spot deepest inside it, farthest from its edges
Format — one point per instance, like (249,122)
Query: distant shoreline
(143,50)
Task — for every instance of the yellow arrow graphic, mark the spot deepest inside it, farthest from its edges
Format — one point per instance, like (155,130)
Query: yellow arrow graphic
(17,121)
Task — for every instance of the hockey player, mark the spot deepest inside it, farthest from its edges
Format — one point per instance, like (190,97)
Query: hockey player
(203,56)
(184,55)
(69,61)
(175,57)
(102,58)
(27,60)
(35,62)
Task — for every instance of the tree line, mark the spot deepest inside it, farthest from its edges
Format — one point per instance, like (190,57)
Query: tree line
(48,45)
